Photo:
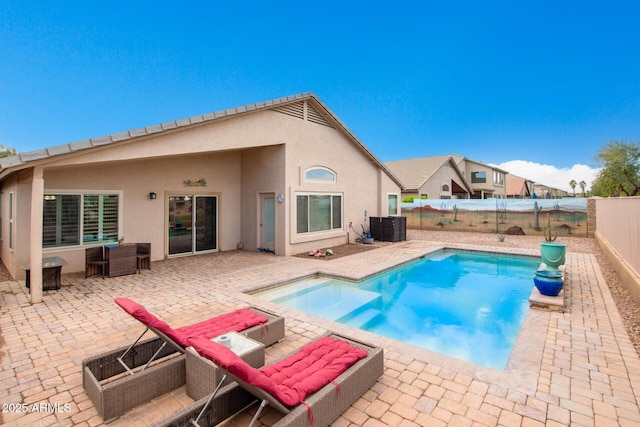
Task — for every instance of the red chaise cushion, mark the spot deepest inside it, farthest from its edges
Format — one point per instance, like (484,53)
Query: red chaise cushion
(236,321)
(292,379)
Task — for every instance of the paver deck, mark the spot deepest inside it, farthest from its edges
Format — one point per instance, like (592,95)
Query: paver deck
(573,367)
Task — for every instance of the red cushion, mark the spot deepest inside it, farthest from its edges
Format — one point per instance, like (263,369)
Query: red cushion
(140,313)
(237,321)
(292,379)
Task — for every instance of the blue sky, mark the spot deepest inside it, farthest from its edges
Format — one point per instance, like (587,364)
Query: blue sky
(539,82)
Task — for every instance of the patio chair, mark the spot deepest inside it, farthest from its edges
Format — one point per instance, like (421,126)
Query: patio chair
(143,255)
(94,261)
(255,323)
(312,386)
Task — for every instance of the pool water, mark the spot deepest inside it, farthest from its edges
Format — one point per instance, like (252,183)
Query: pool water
(467,305)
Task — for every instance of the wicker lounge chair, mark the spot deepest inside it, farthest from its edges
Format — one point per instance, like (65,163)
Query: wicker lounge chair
(312,386)
(106,377)
(252,322)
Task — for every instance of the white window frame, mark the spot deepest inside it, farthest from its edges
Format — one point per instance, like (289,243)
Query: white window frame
(82,194)
(397,210)
(323,169)
(330,230)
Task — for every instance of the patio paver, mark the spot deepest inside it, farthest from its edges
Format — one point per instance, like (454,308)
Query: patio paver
(575,367)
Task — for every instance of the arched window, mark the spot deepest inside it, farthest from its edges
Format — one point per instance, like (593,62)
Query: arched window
(319,174)
(445,187)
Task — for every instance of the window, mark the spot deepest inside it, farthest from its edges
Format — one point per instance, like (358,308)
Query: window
(100,218)
(318,212)
(478,177)
(75,219)
(392,204)
(445,188)
(498,178)
(319,174)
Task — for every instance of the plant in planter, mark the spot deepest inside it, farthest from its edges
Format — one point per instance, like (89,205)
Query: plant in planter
(552,252)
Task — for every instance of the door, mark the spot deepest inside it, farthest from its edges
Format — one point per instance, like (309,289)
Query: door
(268,221)
(193,224)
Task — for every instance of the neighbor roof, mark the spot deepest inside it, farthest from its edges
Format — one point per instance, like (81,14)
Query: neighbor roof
(515,184)
(22,160)
(415,172)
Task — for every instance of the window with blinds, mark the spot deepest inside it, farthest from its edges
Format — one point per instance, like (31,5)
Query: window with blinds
(100,218)
(75,219)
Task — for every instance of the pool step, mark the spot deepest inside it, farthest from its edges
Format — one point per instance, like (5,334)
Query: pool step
(322,297)
(361,319)
(440,256)
(283,292)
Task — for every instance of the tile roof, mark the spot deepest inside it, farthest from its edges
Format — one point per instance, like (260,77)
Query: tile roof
(415,172)
(515,184)
(22,159)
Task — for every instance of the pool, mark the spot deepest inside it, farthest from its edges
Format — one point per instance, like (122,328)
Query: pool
(467,305)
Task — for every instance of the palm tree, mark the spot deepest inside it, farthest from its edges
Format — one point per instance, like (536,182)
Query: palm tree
(573,185)
(582,184)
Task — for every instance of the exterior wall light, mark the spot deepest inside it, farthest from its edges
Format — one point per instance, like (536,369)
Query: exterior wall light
(280,198)
(153,196)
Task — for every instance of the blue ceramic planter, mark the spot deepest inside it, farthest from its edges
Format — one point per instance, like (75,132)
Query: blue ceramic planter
(548,282)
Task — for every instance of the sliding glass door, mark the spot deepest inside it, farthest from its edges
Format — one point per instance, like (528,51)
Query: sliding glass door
(193,224)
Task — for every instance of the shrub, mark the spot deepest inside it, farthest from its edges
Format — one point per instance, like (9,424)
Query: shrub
(410,199)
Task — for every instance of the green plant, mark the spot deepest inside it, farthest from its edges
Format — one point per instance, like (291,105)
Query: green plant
(410,199)
(547,232)
(536,211)
(501,237)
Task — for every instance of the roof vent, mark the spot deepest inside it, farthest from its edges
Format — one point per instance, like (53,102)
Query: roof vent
(295,109)
(315,117)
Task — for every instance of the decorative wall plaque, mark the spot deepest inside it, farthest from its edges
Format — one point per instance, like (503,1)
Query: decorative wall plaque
(195,183)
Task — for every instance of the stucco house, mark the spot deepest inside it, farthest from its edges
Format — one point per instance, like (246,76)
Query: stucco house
(518,187)
(545,192)
(284,175)
(436,177)
(487,182)
(450,177)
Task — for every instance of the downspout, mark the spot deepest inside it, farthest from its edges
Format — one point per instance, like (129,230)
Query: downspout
(381,197)
(35,246)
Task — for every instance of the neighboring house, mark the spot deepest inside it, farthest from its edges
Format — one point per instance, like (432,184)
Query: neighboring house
(486,181)
(518,187)
(545,192)
(284,175)
(436,177)
(464,178)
